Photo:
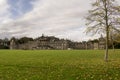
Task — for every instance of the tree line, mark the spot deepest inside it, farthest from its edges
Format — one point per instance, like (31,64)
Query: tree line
(5,43)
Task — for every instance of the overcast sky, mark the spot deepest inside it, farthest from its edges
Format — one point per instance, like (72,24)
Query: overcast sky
(32,18)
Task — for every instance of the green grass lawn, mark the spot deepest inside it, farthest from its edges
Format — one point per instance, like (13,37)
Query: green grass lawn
(59,65)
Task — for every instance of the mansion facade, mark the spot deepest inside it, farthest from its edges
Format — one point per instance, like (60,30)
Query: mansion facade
(53,43)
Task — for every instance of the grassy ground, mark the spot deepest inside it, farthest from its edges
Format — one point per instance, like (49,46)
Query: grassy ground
(59,65)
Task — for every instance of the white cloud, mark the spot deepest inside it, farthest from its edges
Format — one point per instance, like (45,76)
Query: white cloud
(56,17)
(4,13)
(61,18)
(4,18)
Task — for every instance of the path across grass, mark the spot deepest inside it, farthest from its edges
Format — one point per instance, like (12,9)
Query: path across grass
(59,65)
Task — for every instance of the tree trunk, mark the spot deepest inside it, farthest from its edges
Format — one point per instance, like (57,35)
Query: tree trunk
(107,42)
(112,41)
(107,31)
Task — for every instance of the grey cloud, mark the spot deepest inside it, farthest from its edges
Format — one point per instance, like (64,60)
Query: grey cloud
(61,18)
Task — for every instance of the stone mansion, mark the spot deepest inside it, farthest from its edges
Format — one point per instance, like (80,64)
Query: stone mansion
(53,43)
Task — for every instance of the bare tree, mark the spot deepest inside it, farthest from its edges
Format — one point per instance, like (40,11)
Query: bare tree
(104,17)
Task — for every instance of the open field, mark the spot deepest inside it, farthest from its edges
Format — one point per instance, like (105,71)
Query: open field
(59,65)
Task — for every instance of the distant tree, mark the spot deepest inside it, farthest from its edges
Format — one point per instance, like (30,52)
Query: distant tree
(116,37)
(24,40)
(13,38)
(4,43)
(116,40)
(103,18)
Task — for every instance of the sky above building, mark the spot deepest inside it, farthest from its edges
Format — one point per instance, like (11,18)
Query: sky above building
(32,18)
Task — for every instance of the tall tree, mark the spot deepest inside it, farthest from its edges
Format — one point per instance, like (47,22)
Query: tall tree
(24,40)
(104,17)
